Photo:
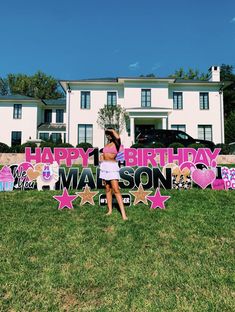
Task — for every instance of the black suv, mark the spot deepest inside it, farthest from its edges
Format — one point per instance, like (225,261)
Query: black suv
(168,137)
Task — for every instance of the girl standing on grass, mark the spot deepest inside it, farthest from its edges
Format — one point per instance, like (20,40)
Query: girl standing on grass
(109,170)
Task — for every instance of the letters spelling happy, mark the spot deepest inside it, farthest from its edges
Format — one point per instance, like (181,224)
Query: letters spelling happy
(132,156)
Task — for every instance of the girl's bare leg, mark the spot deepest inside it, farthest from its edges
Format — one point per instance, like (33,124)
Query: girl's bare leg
(108,191)
(118,195)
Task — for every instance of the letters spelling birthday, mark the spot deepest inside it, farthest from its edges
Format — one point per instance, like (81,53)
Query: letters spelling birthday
(132,156)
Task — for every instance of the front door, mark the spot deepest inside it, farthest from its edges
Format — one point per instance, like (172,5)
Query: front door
(142,128)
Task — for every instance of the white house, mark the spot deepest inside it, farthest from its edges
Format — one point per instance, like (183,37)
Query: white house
(193,106)
(24,118)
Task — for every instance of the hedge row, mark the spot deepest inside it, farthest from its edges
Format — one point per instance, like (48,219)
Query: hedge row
(21,148)
(225,148)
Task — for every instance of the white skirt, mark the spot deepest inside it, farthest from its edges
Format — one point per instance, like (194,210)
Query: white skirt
(109,170)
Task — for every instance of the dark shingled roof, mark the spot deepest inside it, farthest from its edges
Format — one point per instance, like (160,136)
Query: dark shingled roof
(55,102)
(100,79)
(17,97)
(52,127)
(180,80)
(113,79)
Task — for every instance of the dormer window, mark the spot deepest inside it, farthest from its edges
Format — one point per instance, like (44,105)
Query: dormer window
(112,98)
(17,112)
(85,99)
(146,98)
(204,100)
(177,100)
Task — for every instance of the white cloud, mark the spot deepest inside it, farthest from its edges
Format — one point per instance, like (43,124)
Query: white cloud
(232,20)
(134,66)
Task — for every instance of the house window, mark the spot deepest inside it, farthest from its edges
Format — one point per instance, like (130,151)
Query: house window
(177,100)
(44,136)
(112,98)
(204,100)
(178,127)
(48,115)
(17,112)
(85,99)
(146,98)
(15,138)
(205,132)
(56,137)
(85,134)
(59,115)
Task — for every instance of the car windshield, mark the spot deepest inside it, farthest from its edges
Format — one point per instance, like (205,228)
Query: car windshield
(182,135)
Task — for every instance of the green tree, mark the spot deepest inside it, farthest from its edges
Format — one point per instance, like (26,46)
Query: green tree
(39,85)
(230,128)
(226,73)
(148,75)
(112,116)
(3,86)
(190,74)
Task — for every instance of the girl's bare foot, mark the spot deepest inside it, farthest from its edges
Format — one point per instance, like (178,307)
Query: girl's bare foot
(108,213)
(125,218)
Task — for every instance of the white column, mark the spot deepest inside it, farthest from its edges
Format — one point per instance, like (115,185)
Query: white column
(222,140)
(53,119)
(164,123)
(132,128)
(68,115)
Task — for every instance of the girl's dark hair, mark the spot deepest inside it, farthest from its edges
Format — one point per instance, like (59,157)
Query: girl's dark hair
(116,141)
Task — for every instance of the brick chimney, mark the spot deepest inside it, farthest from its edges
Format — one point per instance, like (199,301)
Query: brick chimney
(214,73)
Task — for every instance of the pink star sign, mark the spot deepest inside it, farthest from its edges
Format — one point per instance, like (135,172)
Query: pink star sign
(65,199)
(158,200)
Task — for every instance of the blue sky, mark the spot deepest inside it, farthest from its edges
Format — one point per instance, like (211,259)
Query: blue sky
(74,39)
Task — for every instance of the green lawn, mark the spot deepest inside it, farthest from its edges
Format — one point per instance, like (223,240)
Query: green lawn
(177,259)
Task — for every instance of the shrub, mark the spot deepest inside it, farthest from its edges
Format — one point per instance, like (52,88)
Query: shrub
(176,145)
(14,149)
(52,145)
(155,145)
(63,145)
(137,145)
(197,145)
(4,148)
(21,148)
(84,145)
(232,149)
(48,144)
(225,148)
